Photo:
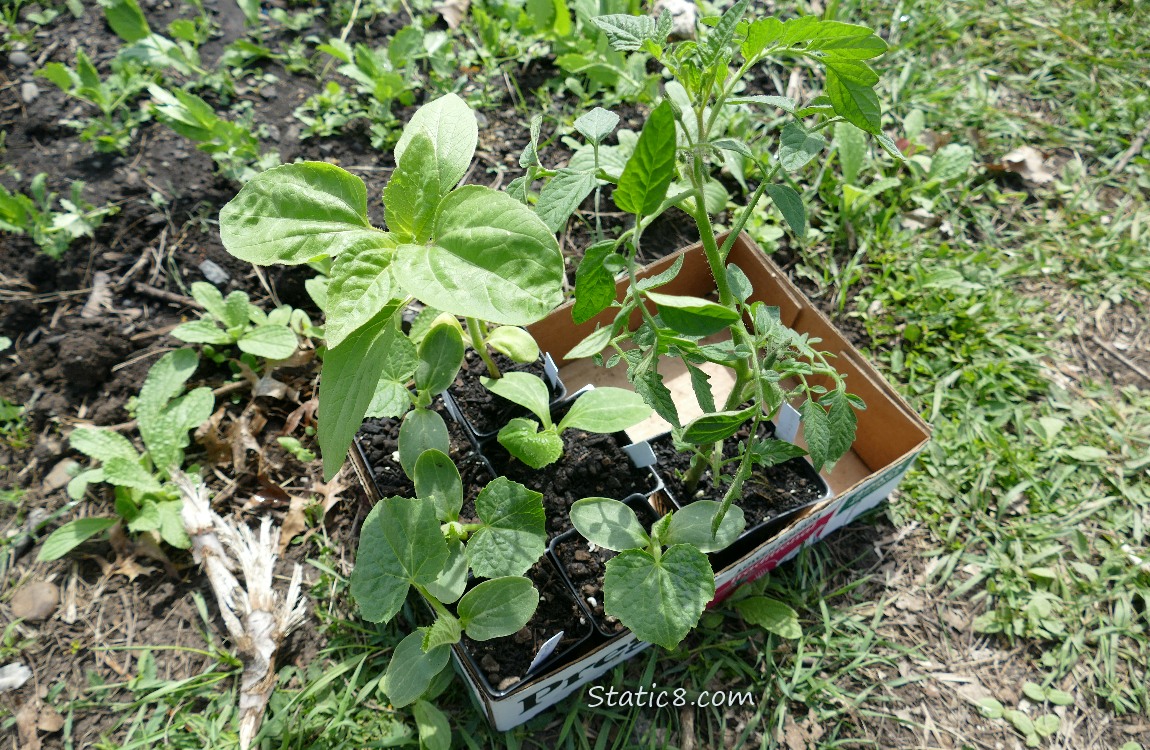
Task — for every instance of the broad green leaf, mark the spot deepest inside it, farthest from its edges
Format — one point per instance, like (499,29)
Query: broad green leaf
(562,195)
(644,182)
(740,285)
(434,729)
(731,144)
(524,389)
(493,259)
(1034,692)
(771,615)
(1021,721)
(251,11)
(171,527)
(71,535)
(411,670)
(851,144)
(817,431)
(951,162)
(421,430)
(761,33)
(497,608)
(659,600)
(609,524)
(452,580)
(513,535)
(606,410)
(451,127)
(126,19)
(693,316)
(437,480)
(627,33)
(202,331)
(414,191)
(711,428)
(161,434)
(692,525)
(391,398)
(238,310)
(1047,725)
(790,205)
(102,445)
(523,439)
(182,414)
(445,631)
(797,146)
(514,342)
(1059,697)
(846,41)
(347,386)
(440,357)
(360,286)
(400,545)
(297,212)
(771,452)
(594,284)
(597,124)
(850,86)
(591,345)
(211,299)
(269,342)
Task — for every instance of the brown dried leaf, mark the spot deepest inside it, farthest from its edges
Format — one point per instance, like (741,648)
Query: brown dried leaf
(26,719)
(330,491)
(295,522)
(208,435)
(50,720)
(305,410)
(453,11)
(1029,163)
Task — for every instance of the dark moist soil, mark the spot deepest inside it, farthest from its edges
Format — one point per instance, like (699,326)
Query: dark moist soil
(379,441)
(505,661)
(768,494)
(591,466)
(586,564)
(483,410)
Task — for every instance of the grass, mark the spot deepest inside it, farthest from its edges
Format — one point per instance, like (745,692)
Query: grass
(1025,510)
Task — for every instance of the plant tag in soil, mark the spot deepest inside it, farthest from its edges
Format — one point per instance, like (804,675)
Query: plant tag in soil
(641,454)
(545,651)
(787,423)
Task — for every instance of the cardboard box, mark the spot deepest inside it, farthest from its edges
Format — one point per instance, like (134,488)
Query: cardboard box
(890,435)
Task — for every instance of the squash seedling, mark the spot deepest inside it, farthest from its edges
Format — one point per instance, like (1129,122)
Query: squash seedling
(660,582)
(539,444)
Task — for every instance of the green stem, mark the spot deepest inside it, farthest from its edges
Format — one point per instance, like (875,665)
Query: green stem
(435,603)
(474,328)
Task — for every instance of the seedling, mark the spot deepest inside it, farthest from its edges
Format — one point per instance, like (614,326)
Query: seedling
(470,251)
(236,321)
(660,582)
(113,131)
(234,146)
(52,230)
(146,499)
(538,444)
(422,543)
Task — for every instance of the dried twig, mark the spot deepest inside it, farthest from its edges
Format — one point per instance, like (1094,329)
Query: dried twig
(1135,148)
(256,617)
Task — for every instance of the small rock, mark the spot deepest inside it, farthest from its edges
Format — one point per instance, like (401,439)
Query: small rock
(273,132)
(155,219)
(523,636)
(19,59)
(213,273)
(29,92)
(59,476)
(582,555)
(12,676)
(36,601)
(269,92)
(577,570)
(489,664)
(589,589)
(508,682)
